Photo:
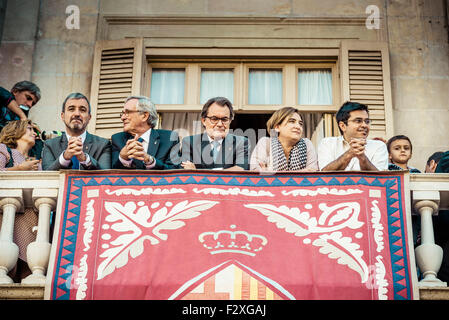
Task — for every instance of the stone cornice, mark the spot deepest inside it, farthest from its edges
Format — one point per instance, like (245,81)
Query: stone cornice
(229,20)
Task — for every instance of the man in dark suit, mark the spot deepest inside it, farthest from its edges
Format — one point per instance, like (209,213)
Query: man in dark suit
(140,146)
(216,148)
(76,148)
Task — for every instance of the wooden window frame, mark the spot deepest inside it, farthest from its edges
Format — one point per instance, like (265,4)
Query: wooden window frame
(343,59)
(241,83)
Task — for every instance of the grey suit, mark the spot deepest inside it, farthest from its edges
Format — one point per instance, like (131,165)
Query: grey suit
(98,149)
(234,152)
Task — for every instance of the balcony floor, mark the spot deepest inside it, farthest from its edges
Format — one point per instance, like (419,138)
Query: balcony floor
(28,292)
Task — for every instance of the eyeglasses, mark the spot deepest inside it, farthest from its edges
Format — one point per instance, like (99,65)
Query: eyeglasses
(359,121)
(128,112)
(214,120)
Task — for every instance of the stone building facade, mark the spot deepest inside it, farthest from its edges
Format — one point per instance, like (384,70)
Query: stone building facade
(406,50)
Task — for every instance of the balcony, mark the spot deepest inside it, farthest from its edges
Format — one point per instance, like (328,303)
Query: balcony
(41,191)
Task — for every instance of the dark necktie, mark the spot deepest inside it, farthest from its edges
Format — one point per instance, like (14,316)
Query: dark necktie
(75,163)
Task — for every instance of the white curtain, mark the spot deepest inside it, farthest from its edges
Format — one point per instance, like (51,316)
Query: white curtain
(184,123)
(167,86)
(314,88)
(265,86)
(217,83)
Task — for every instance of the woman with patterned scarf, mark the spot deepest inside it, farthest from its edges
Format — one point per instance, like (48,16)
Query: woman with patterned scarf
(285,149)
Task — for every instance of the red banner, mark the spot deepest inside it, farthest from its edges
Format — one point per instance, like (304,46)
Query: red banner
(209,235)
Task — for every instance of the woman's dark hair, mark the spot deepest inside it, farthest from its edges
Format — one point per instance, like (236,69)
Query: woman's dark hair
(13,131)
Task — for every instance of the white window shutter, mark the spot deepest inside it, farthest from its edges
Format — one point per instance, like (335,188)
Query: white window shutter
(118,72)
(365,78)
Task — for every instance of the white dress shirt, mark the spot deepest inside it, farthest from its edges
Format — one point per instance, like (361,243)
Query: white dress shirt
(65,163)
(331,148)
(211,141)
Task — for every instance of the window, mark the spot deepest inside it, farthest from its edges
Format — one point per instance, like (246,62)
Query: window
(167,86)
(265,86)
(251,86)
(315,86)
(256,89)
(216,83)
(357,70)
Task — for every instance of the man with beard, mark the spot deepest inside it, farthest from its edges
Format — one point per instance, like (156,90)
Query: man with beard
(352,150)
(76,148)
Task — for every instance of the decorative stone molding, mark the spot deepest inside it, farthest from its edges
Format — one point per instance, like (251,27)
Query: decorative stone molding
(428,255)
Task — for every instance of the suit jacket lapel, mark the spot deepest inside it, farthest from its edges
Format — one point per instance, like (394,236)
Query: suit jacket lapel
(201,146)
(63,142)
(227,150)
(153,144)
(87,145)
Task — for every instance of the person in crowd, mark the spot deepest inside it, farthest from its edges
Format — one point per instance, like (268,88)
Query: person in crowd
(76,148)
(140,145)
(352,150)
(216,148)
(438,162)
(285,149)
(399,153)
(16,140)
(432,162)
(15,104)
(443,164)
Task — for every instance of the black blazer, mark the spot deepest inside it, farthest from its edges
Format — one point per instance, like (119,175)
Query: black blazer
(160,145)
(98,149)
(233,152)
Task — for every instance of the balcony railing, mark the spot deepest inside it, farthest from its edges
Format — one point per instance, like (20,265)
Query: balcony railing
(429,193)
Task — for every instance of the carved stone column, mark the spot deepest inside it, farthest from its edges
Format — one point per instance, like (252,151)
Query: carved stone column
(38,252)
(11,201)
(428,255)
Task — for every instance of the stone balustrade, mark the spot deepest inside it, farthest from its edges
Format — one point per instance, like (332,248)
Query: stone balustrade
(429,193)
(20,190)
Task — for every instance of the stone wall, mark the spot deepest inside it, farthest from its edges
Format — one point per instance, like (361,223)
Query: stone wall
(63,57)
(419,58)
(18,41)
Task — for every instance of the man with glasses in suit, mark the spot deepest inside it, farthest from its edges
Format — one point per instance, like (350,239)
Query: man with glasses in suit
(140,145)
(76,148)
(216,148)
(352,150)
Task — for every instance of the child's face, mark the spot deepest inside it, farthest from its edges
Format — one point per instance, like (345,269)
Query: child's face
(400,151)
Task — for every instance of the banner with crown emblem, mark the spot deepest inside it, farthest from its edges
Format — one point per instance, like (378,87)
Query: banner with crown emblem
(216,235)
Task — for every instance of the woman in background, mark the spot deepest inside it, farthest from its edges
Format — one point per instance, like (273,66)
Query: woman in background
(285,149)
(16,140)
